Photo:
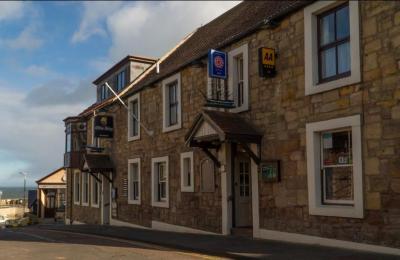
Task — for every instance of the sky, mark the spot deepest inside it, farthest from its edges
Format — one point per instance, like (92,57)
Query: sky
(50,52)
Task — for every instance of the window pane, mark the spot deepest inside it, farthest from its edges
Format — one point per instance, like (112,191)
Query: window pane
(328,63)
(186,170)
(338,183)
(327,29)
(342,23)
(336,148)
(344,57)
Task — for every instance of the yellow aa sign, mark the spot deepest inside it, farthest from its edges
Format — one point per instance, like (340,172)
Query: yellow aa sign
(268,57)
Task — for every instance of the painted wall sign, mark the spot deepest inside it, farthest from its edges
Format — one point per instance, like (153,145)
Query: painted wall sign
(270,171)
(266,59)
(217,64)
(103,126)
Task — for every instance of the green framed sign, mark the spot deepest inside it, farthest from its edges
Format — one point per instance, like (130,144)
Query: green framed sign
(270,171)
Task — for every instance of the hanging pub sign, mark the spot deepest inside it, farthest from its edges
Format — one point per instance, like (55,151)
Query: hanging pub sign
(217,64)
(270,171)
(103,126)
(266,60)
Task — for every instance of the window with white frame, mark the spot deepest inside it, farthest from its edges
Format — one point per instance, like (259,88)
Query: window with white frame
(120,80)
(334,167)
(134,181)
(238,77)
(159,177)
(85,188)
(332,43)
(172,103)
(95,191)
(77,187)
(134,117)
(187,176)
(68,137)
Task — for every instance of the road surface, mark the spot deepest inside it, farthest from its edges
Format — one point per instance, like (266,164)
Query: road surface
(34,243)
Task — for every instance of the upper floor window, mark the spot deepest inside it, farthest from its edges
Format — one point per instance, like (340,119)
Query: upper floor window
(120,82)
(134,117)
(238,77)
(171,103)
(331,45)
(334,43)
(68,139)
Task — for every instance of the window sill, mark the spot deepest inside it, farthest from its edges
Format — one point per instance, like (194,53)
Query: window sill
(333,84)
(337,211)
(187,189)
(95,205)
(85,204)
(160,204)
(134,202)
(133,138)
(77,203)
(171,128)
(239,109)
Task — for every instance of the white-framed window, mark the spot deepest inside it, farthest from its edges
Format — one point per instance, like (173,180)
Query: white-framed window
(134,181)
(172,111)
(159,180)
(120,80)
(187,175)
(85,188)
(134,112)
(331,45)
(95,140)
(238,67)
(95,191)
(334,167)
(102,92)
(207,176)
(77,187)
(68,138)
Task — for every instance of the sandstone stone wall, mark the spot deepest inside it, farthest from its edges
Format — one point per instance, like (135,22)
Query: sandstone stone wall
(280,108)
(192,209)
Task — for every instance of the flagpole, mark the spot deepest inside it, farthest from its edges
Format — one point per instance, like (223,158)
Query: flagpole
(149,132)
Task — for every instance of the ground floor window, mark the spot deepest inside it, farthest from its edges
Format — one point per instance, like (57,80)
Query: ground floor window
(187,182)
(334,164)
(85,188)
(95,188)
(77,189)
(134,181)
(160,182)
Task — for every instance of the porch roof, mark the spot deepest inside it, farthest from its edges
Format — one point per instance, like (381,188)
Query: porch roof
(215,126)
(97,163)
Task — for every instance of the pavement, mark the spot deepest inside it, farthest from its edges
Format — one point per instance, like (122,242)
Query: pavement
(219,246)
(33,243)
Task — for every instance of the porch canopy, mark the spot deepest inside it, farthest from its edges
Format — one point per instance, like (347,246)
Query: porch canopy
(98,163)
(212,128)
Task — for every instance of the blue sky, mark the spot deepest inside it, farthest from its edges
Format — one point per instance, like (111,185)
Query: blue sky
(50,52)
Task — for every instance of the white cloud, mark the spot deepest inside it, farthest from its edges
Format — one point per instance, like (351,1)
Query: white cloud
(93,19)
(149,28)
(10,10)
(27,39)
(32,134)
(38,71)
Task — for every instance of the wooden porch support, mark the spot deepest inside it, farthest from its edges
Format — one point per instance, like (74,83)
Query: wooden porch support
(94,176)
(211,156)
(255,158)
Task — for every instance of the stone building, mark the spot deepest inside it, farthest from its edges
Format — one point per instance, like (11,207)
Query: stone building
(303,147)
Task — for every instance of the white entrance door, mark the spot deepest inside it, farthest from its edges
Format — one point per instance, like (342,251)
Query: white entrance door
(106,201)
(242,185)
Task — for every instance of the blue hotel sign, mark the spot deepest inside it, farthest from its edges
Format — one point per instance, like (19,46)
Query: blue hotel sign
(217,64)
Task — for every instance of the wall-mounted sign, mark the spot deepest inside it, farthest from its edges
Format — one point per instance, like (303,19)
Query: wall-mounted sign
(266,59)
(270,171)
(103,126)
(217,64)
